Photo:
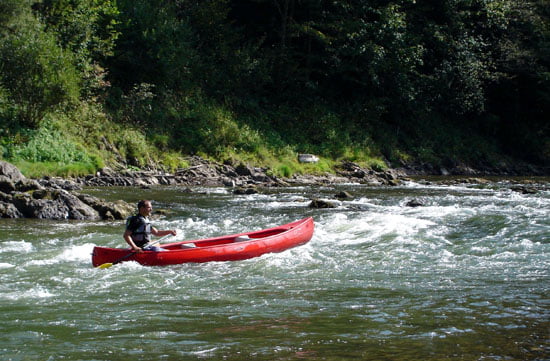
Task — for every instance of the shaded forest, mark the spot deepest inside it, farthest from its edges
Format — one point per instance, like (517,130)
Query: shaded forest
(89,83)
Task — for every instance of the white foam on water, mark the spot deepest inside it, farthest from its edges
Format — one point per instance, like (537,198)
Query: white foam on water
(289,258)
(204,353)
(6,265)
(371,227)
(41,262)
(201,228)
(212,190)
(446,187)
(16,246)
(252,197)
(454,330)
(51,241)
(76,253)
(68,254)
(189,221)
(270,202)
(528,244)
(437,212)
(287,204)
(128,265)
(447,259)
(36,292)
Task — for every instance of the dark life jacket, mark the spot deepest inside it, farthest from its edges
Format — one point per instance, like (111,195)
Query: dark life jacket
(140,228)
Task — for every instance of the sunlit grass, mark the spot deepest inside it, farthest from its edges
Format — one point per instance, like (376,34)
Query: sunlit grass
(42,169)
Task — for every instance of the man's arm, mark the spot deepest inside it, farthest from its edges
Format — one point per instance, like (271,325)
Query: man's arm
(158,233)
(128,238)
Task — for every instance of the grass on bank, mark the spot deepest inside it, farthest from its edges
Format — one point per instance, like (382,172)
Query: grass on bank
(81,140)
(49,150)
(65,147)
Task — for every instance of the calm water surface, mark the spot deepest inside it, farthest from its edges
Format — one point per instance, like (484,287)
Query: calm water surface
(465,277)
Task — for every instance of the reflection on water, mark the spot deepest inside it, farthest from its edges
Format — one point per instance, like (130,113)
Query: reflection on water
(465,276)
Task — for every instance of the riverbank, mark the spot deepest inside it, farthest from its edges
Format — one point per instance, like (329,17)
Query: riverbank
(209,173)
(21,197)
(59,198)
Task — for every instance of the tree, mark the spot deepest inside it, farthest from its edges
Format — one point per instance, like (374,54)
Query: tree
(85,28)
(520,88)
(153,48)
(36,75)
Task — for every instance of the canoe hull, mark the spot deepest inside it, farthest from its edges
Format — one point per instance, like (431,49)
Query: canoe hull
(224,248)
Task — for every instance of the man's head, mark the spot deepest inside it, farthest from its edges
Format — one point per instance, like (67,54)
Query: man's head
(144,207)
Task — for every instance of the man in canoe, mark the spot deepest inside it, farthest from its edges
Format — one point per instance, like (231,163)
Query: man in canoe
(138,229)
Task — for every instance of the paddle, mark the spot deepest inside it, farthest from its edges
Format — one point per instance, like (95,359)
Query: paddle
(151,243)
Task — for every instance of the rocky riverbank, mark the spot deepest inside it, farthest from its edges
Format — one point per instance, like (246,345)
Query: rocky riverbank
(21,197)
(57,198)
(207,173)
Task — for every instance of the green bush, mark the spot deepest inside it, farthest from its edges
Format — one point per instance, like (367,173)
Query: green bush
(284,170)
(376,164)
(36,73)
(47,151)
(172,161)
(46,145)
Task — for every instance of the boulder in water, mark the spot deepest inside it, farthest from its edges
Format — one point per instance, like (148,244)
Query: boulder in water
(321,203)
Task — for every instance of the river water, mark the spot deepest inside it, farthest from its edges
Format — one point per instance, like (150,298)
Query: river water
(464,277)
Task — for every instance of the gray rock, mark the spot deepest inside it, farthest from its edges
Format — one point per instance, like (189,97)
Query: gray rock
(524,190)
(8,210)
(7,198)
(244,170)
(59,183)
(106,171)
(40,208)
(414,203)
(6,184)
(245,190)
(41,194)
(121,209)
(307,158)
(108,210)
(11,172)
(321,203)
(343,195)
(77,208)
(50,199)
(26,185)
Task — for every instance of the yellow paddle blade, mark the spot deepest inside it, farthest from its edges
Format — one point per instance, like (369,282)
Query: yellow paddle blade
(105,265)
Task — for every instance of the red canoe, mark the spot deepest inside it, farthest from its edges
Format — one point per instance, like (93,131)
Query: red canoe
(225,248)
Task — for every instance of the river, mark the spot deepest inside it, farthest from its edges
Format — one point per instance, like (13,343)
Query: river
(466,276)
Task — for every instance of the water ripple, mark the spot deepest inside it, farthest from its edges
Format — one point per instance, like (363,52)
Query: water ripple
(469,268)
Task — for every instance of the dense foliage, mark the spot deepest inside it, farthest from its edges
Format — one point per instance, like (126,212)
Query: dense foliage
(140,81)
